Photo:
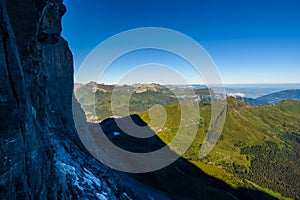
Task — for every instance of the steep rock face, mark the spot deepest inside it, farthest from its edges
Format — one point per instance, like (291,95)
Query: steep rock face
(41,154)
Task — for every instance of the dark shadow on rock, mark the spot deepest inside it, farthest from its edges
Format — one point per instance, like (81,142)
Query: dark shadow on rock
(179,180)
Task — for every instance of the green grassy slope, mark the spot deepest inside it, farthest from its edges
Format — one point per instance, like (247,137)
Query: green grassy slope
(259,146)
(179,180)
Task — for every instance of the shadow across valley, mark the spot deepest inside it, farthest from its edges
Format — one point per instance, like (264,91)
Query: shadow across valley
(179,180)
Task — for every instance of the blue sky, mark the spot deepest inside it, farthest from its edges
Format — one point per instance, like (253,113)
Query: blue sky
(250,41)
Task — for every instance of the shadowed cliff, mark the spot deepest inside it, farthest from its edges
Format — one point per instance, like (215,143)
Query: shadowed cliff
(40,151)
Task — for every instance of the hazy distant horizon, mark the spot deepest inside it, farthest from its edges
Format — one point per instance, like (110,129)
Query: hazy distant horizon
(235,85)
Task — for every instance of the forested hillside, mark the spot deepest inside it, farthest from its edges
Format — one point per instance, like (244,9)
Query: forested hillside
(259,146)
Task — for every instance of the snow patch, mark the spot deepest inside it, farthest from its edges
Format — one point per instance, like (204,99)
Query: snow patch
(100,196)
(10,141)
(67,169)
(125,195)
(90,178)
(83,179)
(116,133)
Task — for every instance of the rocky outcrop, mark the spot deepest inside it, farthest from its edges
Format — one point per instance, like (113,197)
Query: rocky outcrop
(41,154)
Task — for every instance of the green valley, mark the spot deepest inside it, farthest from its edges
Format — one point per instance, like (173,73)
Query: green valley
(259,147)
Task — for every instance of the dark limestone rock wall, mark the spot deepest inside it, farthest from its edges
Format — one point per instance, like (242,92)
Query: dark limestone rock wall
(41,154)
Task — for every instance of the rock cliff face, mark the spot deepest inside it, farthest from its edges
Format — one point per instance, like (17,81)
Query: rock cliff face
(41,154)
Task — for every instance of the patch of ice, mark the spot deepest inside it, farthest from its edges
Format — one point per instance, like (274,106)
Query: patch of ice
(82,179)
(67,169)
(76,183)
(90,178)
(10,141)
(125,195)
(100,196)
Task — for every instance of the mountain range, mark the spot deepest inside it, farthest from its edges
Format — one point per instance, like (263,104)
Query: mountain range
(95,98)
(259,138)
(273,98)
(43,157)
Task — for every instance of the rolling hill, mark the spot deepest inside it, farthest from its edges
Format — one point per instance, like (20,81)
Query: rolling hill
(259,147)
(180,180)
